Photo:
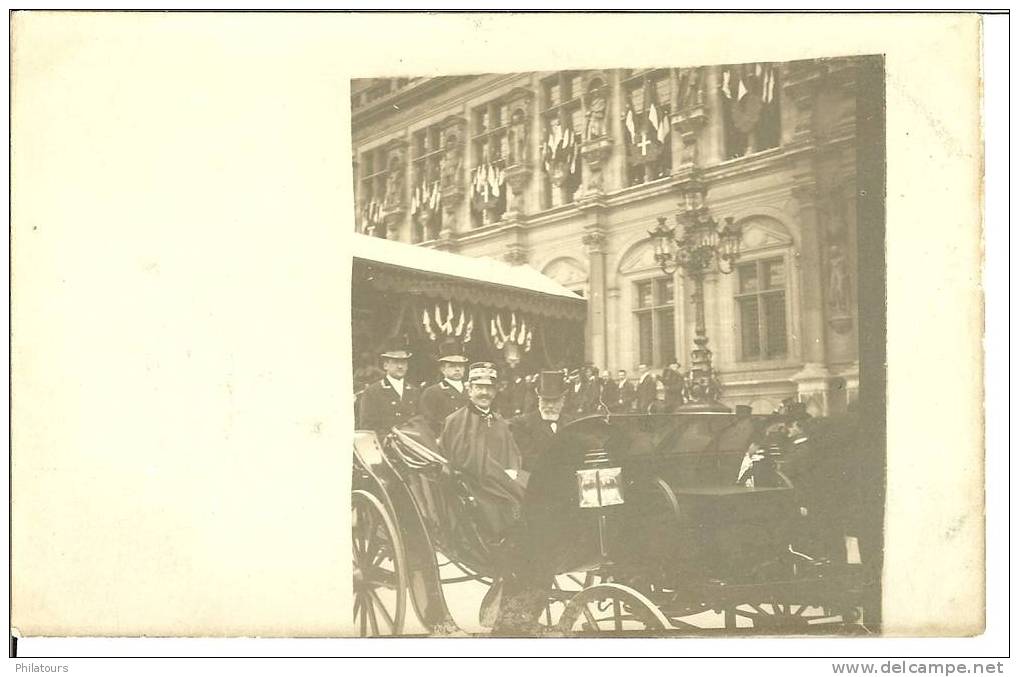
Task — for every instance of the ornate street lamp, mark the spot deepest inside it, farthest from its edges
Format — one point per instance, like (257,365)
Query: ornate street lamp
(700,248)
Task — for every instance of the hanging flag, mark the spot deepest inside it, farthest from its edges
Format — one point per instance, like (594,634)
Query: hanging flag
(725,84)
(436,196)
(664,126)
(493,181)
(652,116)
(629,123)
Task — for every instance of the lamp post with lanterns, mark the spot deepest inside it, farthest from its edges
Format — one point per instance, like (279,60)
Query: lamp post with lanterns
(700,247)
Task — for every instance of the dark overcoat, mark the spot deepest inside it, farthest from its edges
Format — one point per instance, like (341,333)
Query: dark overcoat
(439,401)
(380,407)
(533,436)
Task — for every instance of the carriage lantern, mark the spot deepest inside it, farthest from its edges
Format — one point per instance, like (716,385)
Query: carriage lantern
(699,248)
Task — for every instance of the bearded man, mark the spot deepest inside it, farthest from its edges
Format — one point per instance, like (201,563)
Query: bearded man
(534,431)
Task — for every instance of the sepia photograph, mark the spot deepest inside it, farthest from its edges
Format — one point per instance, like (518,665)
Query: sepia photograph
(337,333)
(608,370)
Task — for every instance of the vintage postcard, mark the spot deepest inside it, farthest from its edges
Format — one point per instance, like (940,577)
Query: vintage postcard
(345,325)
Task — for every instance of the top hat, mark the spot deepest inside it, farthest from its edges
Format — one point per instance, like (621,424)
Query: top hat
(743,410)
(396,350)
(482,373)
(551,385)
(450,351)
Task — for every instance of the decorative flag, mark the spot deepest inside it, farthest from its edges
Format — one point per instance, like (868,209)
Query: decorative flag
(664,126)
(629,123)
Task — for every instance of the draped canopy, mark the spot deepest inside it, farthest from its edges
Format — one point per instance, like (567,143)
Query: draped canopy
(397,267)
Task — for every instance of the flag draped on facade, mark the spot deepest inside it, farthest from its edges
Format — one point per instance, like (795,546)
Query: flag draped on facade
(426,200)
(561,147)
(647,130)
(488,182)
(371,217)
(750,103)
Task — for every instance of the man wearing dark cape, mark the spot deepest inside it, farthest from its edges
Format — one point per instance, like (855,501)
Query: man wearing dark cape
(478,442)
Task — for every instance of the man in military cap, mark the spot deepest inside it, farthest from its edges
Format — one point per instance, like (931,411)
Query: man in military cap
(478,442)
(534,431)
(443,398)
(390,400)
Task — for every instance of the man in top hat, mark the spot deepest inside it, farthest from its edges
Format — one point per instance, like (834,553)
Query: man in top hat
(390,400)
(477,441)
(443,398)
(534,431)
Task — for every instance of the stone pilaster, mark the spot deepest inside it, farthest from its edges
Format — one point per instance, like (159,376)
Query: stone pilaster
(452,168)
(517,250)
(594,240)
(852,379)
(595,153)
(812,380)
(394,206)
(518,177)
(615,172)
(689,118)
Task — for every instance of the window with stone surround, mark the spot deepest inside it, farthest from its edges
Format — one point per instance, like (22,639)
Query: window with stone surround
(486,184)
(562,129)
(647,101)
(372,192)
(761,309)
(654,318)
(426,156)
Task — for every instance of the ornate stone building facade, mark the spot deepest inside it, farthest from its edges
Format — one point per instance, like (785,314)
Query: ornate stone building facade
(567,171)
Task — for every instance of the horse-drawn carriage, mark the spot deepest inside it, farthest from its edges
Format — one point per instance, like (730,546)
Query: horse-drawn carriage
(637,519)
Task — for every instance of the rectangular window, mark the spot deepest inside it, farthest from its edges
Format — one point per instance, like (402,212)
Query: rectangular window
(425,200)
(647,125)
(761,301)
(752,120)
(563,121)
(372,188)
(646,338)
(654,311)
(486,183)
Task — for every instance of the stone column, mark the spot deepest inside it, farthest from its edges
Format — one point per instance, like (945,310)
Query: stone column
(613,345)
(595,349)
(812,380)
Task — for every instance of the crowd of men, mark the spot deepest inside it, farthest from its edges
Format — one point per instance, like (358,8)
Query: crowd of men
(496,424)
(588,390)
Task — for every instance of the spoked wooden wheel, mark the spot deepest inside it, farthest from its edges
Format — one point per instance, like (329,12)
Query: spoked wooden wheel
(792,617)
(610,607)
(380,568)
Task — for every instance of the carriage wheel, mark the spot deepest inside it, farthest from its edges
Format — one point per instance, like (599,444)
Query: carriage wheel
(792,617)
(610,607)
(380,568)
